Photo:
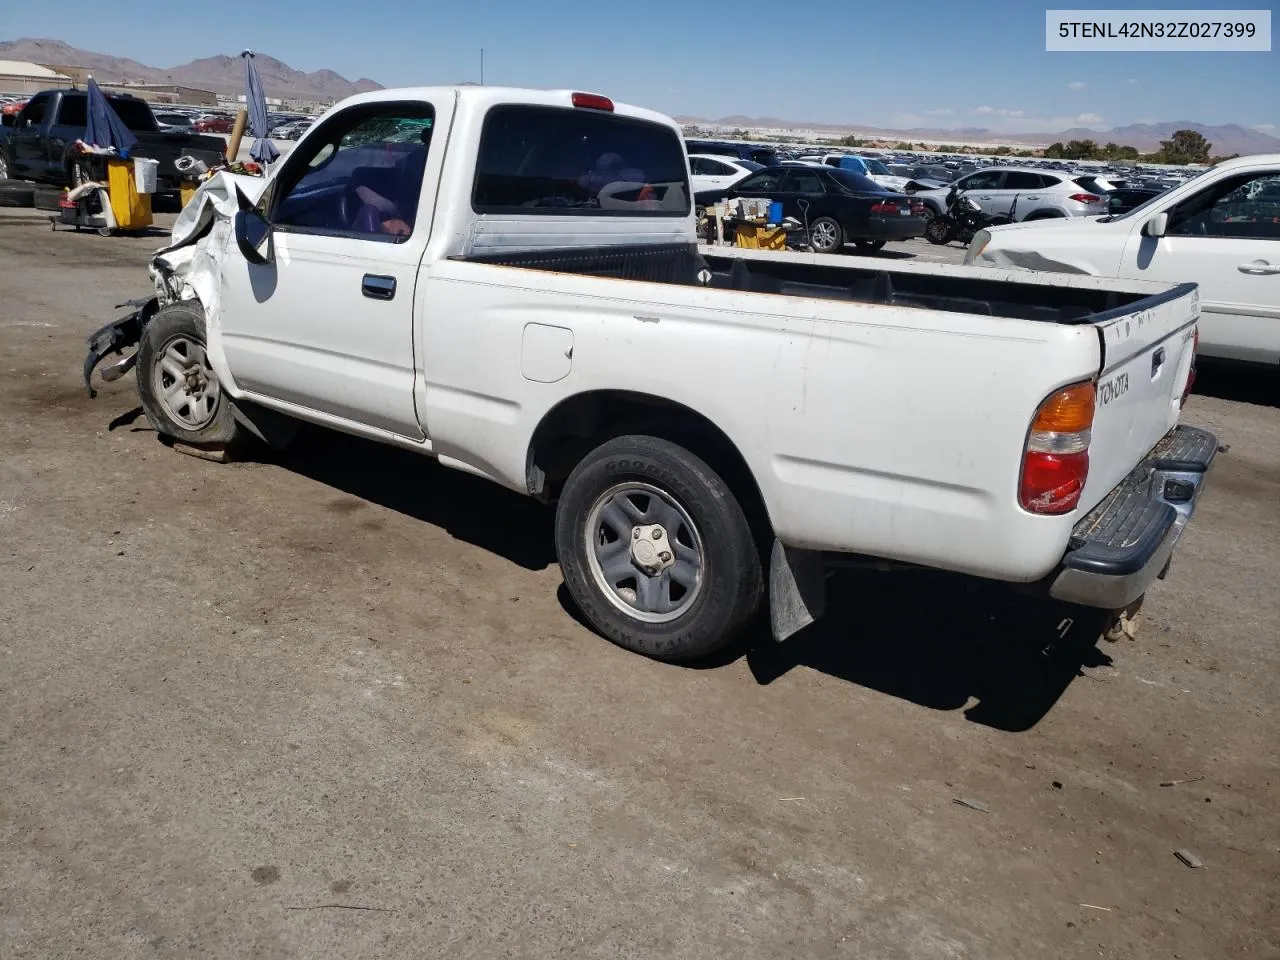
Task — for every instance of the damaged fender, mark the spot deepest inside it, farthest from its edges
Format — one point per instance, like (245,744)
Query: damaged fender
(115,338)
(185,269)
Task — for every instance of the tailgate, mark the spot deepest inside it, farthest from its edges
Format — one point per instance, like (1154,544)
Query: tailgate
(1147,351)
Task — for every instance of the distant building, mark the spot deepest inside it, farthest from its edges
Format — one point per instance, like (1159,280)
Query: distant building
(19,76)
(170,93)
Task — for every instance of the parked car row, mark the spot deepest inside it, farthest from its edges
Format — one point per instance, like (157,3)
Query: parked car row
(836,206)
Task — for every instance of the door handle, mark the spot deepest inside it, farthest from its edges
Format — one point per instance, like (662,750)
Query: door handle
(377,287)
(1157,362)
(1258,268)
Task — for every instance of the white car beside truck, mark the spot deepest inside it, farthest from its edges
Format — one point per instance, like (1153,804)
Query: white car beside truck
(1220,230)
(508,281)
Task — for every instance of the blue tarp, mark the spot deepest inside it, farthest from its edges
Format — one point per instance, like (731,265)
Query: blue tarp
(104,127)
(263,150)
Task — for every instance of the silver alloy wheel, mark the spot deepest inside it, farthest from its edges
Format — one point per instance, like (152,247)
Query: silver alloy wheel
(644,551)
(185,384)
(4,168)
(824,235)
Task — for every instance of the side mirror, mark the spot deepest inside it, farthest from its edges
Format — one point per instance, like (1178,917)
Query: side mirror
(1156,226)
(252,231)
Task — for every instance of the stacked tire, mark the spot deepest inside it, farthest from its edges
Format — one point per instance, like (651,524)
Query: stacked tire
(47,198)
(16,194)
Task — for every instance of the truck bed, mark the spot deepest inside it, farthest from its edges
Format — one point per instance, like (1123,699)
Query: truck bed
(934,287)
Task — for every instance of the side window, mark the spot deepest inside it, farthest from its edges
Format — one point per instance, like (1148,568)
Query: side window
(803,181)
(718,169)
(699,167)
(987,180)
(360,175)
(33,112)
(567,160)
(74,110)
(1017,180)
(1246,207)
(760,182)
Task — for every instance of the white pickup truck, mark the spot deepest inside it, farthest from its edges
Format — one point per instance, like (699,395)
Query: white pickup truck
(508,280)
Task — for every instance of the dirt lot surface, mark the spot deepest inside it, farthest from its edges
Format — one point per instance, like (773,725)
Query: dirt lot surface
(333,704)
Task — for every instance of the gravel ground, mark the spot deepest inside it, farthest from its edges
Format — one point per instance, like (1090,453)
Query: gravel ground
(335,704)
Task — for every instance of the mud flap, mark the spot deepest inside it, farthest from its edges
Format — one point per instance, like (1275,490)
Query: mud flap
(797,590)
(114,338)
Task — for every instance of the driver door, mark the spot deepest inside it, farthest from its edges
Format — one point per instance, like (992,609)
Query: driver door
(327,324)
(983,188)
(28,157)
(1226,238)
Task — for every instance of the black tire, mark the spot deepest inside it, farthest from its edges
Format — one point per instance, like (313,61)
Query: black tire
(939,230)
(826,235)
(47,198)
(180,326)
(868,246)
(16,194)
(730,582)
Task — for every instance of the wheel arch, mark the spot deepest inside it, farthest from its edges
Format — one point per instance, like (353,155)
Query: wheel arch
(1045,213)
(580,423)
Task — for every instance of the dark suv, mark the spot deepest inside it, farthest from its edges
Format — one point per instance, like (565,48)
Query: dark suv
(757,153)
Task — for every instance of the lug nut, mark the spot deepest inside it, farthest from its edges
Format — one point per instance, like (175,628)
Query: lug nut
(635,534)
(664,557)
(657,534)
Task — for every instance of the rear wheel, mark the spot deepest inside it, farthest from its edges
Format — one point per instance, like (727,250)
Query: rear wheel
(826,235)
(868,246)
(656,550)
(4,166)
(180,392)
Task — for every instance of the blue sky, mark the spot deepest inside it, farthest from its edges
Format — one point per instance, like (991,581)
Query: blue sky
(950,64)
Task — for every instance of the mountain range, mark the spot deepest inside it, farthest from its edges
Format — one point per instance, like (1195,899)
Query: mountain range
(220,74)
(225,74)
(1226,138)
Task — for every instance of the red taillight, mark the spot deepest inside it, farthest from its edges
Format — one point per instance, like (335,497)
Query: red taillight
(885,206)
(917,208)
(1191,371)
(592,101)
(1086,198)
(1055,463)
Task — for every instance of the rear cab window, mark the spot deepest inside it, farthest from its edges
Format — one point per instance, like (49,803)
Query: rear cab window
(73,111)
(571,161)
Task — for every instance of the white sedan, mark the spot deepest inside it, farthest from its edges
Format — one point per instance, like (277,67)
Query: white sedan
(1220,230)
(710,172)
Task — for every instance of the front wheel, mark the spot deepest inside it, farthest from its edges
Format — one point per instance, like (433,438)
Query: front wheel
(180,393)
(656,550)
(826,235)
(868,246)
(940,230)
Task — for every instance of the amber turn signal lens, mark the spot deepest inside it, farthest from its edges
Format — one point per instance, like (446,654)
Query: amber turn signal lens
(1070,410)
